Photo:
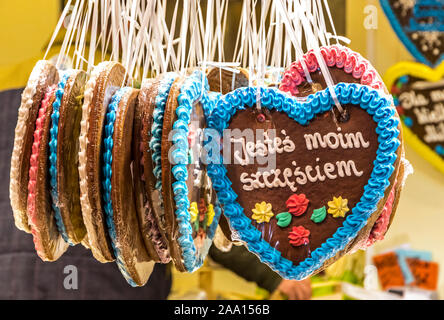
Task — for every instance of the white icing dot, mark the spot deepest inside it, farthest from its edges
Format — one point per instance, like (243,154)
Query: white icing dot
(293,163)
(339,129)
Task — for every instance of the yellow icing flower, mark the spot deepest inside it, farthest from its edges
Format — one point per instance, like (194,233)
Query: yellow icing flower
(210,214)
(338,207)
(194,212)
(262,212)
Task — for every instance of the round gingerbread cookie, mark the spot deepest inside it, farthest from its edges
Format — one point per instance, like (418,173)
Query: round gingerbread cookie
(42,76)
(106,78)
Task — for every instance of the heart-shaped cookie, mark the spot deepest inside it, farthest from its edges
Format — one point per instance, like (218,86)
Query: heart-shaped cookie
(63,155)
(191,210)
(118,195)
(418,94)
(48,242)
(106,78)
(419,25)
(42,76)
(148,114)
(328,184)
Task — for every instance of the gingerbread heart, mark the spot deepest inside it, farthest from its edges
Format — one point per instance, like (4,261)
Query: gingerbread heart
(419,25)
(106,78)
(329,180)
(418,93)
(131,253)
(42,76)
(191,210)
(63,156)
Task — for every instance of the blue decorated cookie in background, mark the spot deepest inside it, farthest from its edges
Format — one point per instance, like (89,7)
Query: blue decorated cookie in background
(419,24)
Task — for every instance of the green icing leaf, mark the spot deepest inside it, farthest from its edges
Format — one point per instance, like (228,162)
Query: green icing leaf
(284,219)
(319,215)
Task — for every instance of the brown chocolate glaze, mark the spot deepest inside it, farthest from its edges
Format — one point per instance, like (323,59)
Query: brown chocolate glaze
(319,193)
(221,80)
(68,156)
(48,77)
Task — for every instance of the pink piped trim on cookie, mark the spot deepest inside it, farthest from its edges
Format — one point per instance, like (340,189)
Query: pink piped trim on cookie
(381,225)
(335,56)
(32,184)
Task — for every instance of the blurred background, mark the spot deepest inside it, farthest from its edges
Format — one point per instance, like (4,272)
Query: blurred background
(25,29)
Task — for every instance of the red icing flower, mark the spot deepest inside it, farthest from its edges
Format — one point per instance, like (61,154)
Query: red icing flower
(298,236)
(297,204)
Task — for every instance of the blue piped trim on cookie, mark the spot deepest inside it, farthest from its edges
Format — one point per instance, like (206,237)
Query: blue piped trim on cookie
(156,129)
(195,88)
(106,183)
(53,156)
(383,114)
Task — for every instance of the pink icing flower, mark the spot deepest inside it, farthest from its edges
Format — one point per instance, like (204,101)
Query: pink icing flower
(297,204)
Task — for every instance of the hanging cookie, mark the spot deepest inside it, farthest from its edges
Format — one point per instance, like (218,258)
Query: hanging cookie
(344,65)
(48,242)
(147,132)
(106,78)
(191,210)
(418,94)
(118,195)
(311,161)
(42,76)
(63,155)
(419,25)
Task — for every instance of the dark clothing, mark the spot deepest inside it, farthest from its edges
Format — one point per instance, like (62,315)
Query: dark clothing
(246,265)
(24,276)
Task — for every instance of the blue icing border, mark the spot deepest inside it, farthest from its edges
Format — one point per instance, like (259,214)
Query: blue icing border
(53,156)
(156,129)
(195,88)
(106,182)
(376,105)
(394,22)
